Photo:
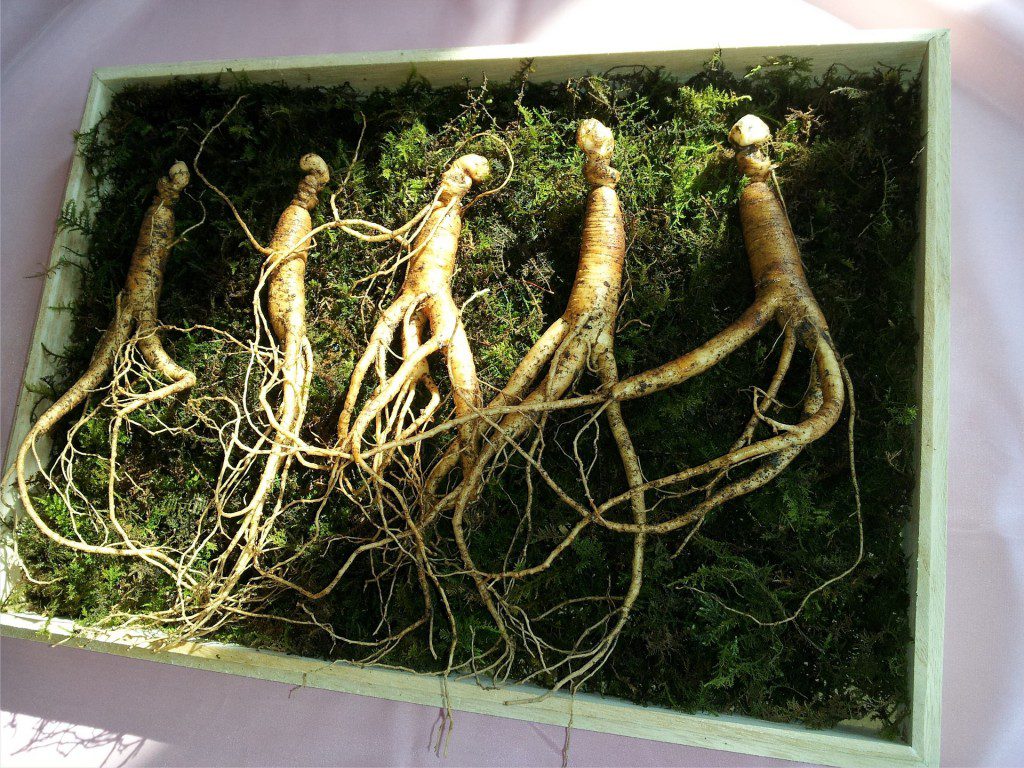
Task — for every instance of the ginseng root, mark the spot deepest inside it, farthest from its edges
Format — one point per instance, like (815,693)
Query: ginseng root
(581,339)
(425,299)
(288,383)
(135,325)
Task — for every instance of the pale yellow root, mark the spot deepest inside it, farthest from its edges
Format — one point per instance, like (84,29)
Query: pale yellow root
(286,311)
(135,321)
(581,339)
(425,299)
(595,657)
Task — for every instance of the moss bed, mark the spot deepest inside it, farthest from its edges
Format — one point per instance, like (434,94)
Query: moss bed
(846,148)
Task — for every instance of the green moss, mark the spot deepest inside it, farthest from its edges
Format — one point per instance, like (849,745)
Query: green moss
(846,148)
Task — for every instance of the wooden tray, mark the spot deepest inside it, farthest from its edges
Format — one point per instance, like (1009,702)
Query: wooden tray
(852,744)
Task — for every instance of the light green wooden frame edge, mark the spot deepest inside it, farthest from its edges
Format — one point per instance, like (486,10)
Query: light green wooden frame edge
(928,532)
(737,734)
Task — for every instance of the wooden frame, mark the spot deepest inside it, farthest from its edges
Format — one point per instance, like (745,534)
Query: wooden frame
(926,52)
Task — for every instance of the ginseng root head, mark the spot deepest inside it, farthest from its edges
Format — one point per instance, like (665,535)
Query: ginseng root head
(463,173)
(598,143)
(178,175)
(313,164)
(595,138)
(748,135)
(748,131)
(316,178)
(170,186)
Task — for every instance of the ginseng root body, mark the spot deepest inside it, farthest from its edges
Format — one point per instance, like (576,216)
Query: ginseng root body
(581,339)
(135,324)
(429,322)
(283,394)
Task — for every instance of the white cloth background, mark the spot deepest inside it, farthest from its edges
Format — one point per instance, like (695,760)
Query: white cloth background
(76,708)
